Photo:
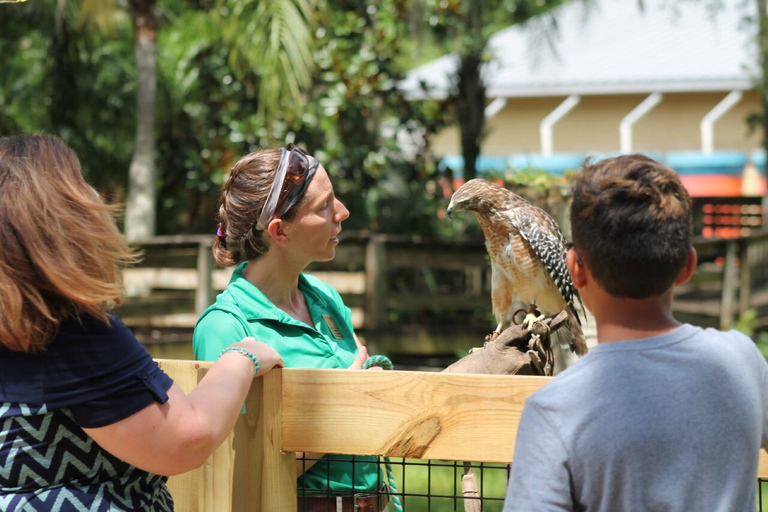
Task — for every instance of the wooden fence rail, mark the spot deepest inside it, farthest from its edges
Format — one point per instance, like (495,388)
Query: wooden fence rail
(391,282)
(402,414)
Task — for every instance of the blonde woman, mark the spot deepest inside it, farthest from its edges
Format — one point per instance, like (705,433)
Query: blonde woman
(88,422)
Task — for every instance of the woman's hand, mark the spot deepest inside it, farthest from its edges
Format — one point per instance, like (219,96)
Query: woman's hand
(361,357)
(267,356)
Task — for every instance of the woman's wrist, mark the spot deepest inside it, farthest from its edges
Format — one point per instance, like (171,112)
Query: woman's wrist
(247,353)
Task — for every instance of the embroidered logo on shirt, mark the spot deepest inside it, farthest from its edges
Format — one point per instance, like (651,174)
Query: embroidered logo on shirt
(333,327)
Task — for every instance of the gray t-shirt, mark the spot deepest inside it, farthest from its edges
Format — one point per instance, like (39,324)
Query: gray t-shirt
(669,423)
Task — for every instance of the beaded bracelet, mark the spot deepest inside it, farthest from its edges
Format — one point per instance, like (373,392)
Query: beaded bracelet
(248,353)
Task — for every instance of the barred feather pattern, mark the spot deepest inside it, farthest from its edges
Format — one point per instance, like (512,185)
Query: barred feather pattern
(527,251)
(547,241)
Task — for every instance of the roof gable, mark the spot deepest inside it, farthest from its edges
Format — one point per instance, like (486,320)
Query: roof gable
(614,47)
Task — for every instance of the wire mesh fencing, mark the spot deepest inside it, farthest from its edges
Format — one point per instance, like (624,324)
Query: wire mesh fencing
(412,485)
(420,486)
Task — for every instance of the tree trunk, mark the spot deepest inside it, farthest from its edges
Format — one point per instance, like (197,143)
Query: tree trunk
(140,212)
(471,111)
(471,104)
(762,38)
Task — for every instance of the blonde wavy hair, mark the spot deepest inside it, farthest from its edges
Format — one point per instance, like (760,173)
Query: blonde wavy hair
(61,252)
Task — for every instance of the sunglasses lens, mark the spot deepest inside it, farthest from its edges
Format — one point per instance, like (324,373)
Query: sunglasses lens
(298,169)
(293,183)
(297,164)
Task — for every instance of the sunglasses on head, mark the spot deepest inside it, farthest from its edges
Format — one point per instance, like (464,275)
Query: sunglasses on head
(294,172)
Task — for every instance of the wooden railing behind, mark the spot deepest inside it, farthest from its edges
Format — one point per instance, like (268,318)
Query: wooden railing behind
(731,278)
(398,414)
(393,282)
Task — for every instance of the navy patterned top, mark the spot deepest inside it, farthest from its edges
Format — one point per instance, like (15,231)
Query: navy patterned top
(91,375)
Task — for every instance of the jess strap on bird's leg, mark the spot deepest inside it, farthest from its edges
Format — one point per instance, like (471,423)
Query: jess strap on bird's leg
(518,350)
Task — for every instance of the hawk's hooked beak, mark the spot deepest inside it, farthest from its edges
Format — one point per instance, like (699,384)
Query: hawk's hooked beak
(449,211)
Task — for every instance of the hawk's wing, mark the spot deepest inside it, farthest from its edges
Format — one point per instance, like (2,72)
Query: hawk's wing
(543,234)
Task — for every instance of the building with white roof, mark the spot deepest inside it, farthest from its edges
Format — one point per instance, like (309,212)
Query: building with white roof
(674,80)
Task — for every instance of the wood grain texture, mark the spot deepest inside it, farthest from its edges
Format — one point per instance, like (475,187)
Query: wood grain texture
(248,469)
(404,414)
(278,478)
(408,414)
(185,487)
(398,414)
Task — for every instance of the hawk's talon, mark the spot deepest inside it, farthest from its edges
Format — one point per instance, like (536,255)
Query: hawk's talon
(531,319)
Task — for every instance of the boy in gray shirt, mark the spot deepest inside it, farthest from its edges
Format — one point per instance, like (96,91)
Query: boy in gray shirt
(660,416)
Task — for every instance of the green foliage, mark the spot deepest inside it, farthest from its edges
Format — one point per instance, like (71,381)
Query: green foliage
(747,323)
(57,80)
(274,40)
(349,117)
(531,178)
(762,343)
(441,478)
(468,25)
(206,119)
(355,114)
(78,80)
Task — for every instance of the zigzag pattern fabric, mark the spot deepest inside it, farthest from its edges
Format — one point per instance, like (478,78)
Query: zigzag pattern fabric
(47,463)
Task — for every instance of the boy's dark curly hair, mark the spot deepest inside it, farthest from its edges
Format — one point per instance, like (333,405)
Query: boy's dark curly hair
(631,222)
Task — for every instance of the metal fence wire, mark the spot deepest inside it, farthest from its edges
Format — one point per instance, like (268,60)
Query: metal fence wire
(420,485)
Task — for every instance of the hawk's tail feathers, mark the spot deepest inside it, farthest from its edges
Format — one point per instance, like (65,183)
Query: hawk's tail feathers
(572,334)
(575,312)
(578,343)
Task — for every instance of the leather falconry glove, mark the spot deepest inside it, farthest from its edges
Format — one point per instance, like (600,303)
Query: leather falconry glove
(516,351)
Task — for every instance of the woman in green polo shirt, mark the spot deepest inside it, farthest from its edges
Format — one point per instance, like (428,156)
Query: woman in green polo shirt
(277,214)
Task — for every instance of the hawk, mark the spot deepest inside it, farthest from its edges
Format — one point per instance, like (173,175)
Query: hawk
(527,252)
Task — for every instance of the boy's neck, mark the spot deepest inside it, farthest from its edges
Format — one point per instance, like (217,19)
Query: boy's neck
(620,319)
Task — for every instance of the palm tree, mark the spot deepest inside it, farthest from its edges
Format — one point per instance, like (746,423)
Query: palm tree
(275,37)
(762,39)
(140,210)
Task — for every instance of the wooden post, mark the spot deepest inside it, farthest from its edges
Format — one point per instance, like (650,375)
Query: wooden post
(204,293)
(729,285)
(278,469)
(247,482)
(745,276)
(374,283)
(217,475)
(185,488)
(264,476)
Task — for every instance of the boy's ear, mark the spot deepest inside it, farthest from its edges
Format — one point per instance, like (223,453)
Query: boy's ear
(576,268)
(689,268)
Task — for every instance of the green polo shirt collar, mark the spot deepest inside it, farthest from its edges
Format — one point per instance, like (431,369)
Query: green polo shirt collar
(259,307)
(246,311)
